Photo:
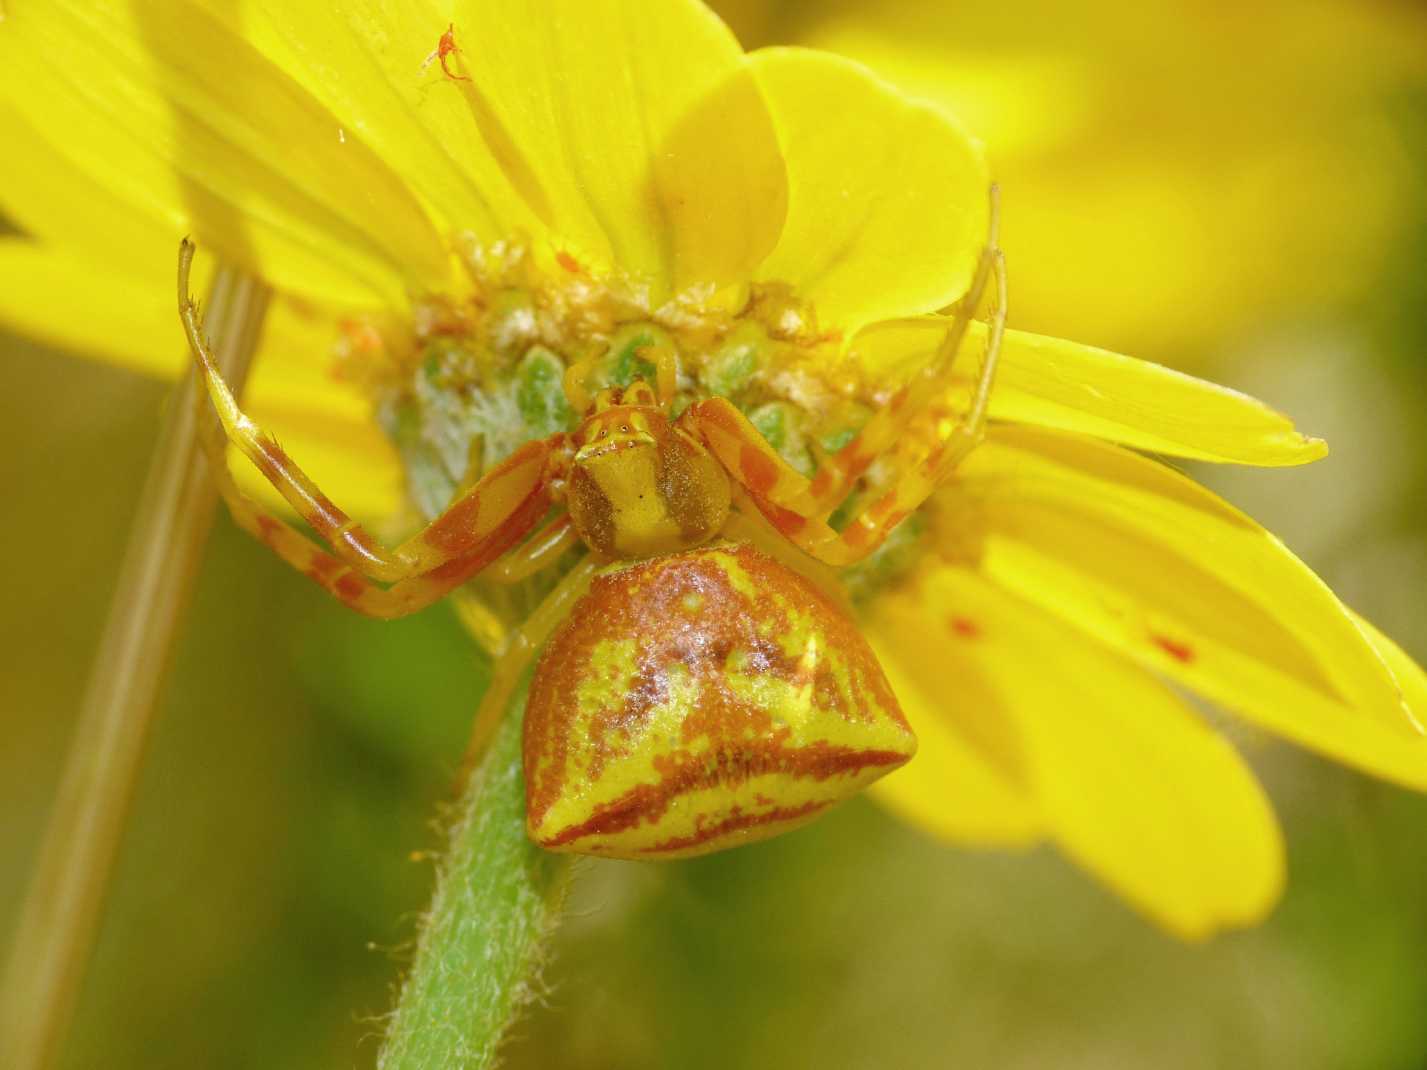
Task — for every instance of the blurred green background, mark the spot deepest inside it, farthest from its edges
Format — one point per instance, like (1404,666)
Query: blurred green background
(1264,222)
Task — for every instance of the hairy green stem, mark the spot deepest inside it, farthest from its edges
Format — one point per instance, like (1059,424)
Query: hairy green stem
(498,897)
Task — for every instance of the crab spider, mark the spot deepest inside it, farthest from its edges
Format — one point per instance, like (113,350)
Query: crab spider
(662,720)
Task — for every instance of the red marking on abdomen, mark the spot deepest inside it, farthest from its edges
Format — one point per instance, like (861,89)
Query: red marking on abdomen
(736,823)
(649,802)
(1179,651)
(568,262)
(567,748)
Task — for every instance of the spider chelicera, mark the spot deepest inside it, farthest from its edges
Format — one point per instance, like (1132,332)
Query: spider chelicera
(694,692)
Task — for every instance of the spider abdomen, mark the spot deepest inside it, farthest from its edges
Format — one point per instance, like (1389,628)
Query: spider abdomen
(701,700)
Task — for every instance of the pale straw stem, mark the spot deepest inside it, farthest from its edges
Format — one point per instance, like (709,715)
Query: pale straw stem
(61,914)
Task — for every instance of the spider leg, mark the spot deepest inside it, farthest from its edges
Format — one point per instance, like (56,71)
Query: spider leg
(782,494)
(789,501)
(339,577)
(666,374)
(478,607)
(475,529)
(745,453)
(577,391)
(525,643)
(968,433)
(661,354)
(538,552)
(839,472)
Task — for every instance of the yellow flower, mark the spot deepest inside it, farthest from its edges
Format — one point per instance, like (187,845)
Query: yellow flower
(621,163)
(1174,171)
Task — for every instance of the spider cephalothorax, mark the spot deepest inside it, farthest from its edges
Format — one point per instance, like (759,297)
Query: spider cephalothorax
(694,693)
(640,484)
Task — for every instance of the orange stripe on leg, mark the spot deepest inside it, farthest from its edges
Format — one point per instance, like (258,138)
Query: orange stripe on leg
(457,534)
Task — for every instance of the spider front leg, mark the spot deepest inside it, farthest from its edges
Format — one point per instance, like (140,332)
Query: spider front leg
(474,531)
(838,472)
(782,494)
(524,645)
(661,354)
(790,501)
(541,551)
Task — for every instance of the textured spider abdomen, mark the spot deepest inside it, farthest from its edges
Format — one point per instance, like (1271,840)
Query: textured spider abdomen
(698,701)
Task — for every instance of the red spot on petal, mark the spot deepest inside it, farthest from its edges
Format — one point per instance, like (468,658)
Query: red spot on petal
(964,627)
(1179,651)
(568,262)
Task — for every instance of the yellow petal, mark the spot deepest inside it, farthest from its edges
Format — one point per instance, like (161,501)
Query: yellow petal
(328,426)
(1143,559)
(1126,779)
(887,202)
(96,311)
(72,302)
(968,782)
(1115,146)
(66,207)
(370,63)
(634,129)
(344,452)
(188,124)
(1409,675)
(1051,382)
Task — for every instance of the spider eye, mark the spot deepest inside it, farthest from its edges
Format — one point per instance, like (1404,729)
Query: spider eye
(624,428)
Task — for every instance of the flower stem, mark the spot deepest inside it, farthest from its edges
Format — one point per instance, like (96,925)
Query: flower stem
(498,897)
(61,913)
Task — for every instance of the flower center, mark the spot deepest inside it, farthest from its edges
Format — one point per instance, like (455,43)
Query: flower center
(472,376)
